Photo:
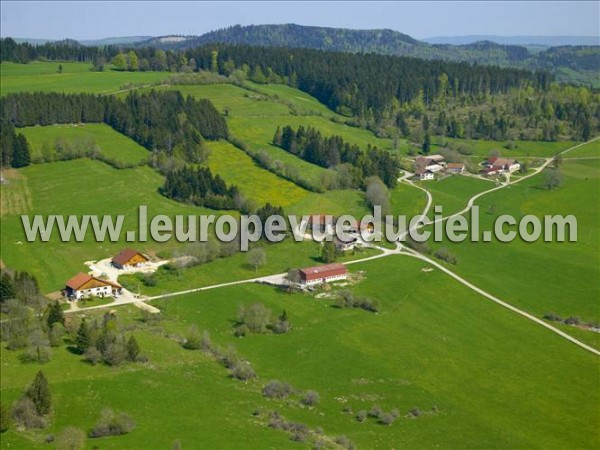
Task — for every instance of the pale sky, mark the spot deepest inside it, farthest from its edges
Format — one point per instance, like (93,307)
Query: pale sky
(92,20)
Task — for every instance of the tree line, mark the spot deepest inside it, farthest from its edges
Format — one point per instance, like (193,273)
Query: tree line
(163,122)
(310,145)
(200,187)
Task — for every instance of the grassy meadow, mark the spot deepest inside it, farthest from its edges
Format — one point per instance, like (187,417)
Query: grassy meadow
(478,375)
(413,354)
(541,277)
(76,77)
(111,144)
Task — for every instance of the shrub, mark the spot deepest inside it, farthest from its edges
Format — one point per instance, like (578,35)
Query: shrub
(92,355)
(572,320)
(243,371)
(70,438)
(193,341)
(361,416)
(310,398)
(25,414)
(445,255)
(256,317)
(112,423)
(376,411)
(277,389)
(55,335)
(553,317)
(386,419)
(345,443)
(420,247)
(415,412)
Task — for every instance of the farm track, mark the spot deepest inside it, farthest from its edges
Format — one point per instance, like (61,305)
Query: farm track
(401,250)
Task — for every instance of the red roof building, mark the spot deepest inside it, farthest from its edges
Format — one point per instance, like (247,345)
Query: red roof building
(323,274)
(84,285)
(129,258)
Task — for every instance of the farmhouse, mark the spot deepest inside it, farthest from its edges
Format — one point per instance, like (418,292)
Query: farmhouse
(322,274)
(426,175)
(129,258)
(344,246)
(427,166)
(455,168)
(495,165)
(83,285)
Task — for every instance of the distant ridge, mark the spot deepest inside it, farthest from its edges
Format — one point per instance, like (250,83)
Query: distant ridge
(544,41)
(124,40)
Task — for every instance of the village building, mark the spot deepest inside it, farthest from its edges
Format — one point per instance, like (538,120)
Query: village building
(496,165)
(323,274)
(426,175)
(83,285)
(427,166)
(455,168)
(344,246)
(129,258)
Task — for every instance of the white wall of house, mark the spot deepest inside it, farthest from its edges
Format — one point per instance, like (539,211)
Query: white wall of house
(98,291)
(324,280)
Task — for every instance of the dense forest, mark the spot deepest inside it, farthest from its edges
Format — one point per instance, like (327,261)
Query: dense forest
(162,122)
(200,187)
(381,92)
(584,60)
(310,145)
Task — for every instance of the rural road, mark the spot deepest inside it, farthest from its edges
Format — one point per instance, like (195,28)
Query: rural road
(400,250)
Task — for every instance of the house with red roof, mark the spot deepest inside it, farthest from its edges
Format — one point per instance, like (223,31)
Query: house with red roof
(327,273)
(129,258)
(83,285)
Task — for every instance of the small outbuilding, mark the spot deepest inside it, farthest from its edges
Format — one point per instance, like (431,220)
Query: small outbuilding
(129,258)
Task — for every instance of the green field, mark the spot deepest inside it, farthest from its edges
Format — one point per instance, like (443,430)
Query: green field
(481,376)
(236,167)
(112,145)
(452,193)
(413,354)
(239,101)
(522,148)
(76,77)
(262,186)
(78,187)
(591,149)
(542,277)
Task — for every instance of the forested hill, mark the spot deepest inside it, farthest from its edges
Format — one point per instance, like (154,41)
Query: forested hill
(383,42)
(389,42)
(298,36)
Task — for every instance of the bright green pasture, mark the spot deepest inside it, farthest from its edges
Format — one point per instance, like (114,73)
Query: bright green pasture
(76,77)
(113,145)
(262,186)
(589,149)
(302,102)
(236,167)
(80,187)
(452,193)
(237,100)
(541,277)
(481,376)
(523,148)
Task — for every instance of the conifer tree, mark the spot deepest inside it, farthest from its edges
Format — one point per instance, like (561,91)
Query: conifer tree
(39,393)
